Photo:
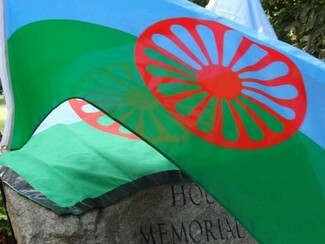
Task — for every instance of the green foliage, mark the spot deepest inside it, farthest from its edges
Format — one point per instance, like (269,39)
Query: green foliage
(4,226)
(300,23)
(5,232)
(3,112)
(202,3)
(3,215)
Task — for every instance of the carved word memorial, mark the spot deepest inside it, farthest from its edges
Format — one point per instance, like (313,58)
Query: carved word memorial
(194,217)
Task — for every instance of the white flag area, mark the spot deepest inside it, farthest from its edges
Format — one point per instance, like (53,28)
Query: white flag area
(249,13)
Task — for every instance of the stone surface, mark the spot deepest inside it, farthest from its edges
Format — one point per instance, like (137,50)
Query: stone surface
(181,213)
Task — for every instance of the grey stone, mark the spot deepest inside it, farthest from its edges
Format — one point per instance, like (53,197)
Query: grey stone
(181,213)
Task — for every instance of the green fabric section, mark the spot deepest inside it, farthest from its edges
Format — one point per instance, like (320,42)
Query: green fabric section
(229,128)
(187,105)
(250,125)
(169,89)
(207,118)
(69,163)
(276,193)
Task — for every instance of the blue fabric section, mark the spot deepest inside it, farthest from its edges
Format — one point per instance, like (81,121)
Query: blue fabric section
(269,72)
(186,37)
(172,48)
(101,12)
(231,43)
(285,92)
(314,123)
(253,55)
(209,41)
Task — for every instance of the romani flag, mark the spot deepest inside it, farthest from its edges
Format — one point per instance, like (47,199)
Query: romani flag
(238,112)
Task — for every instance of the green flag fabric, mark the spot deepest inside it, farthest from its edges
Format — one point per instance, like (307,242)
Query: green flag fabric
(84,163)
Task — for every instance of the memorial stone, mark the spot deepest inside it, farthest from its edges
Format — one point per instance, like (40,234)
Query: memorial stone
(179,213)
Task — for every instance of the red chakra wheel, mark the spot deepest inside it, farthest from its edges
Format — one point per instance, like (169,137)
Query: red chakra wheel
(222,86)
(99,120)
